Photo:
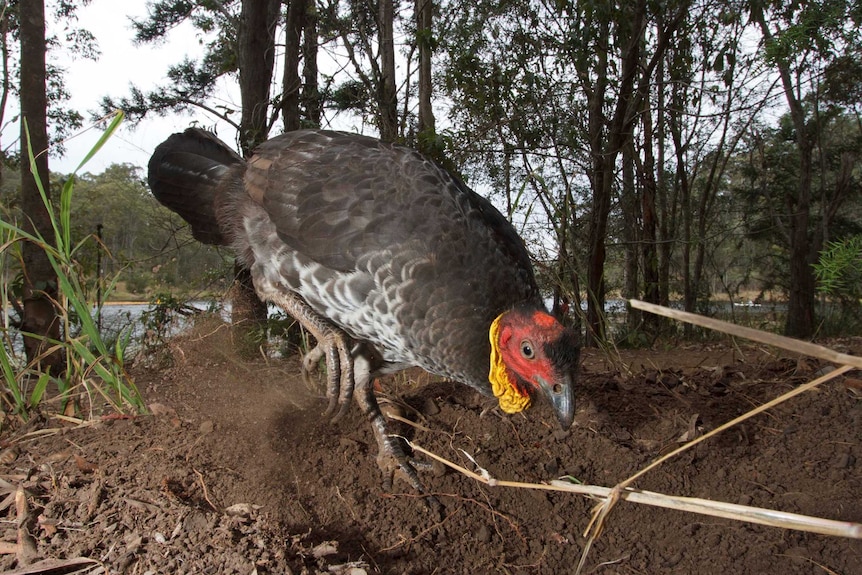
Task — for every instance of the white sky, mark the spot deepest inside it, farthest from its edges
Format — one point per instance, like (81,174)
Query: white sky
(121,63)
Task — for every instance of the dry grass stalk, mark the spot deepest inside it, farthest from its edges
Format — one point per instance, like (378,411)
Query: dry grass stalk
(690,504)
(775,340)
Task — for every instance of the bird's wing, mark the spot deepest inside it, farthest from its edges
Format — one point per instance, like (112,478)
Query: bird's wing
(337,197)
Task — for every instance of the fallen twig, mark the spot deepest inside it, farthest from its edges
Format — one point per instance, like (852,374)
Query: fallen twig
(26,551)
(204,487)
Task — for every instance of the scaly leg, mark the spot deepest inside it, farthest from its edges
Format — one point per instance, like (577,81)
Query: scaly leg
(391,458)
(331,342)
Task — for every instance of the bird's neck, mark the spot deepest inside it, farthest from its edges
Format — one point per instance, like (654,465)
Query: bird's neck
(501,377)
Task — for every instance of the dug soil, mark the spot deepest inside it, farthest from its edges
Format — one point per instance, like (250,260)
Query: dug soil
(236,471)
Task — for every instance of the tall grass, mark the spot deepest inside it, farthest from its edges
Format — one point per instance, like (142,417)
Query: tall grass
(92,368)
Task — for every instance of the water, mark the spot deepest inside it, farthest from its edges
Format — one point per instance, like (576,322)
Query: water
(128,317)
(128,320)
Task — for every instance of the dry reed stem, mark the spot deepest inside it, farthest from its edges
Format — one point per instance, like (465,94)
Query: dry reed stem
(787,343)
(690,504)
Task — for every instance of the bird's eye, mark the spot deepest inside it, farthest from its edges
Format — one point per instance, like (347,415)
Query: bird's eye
(527,349)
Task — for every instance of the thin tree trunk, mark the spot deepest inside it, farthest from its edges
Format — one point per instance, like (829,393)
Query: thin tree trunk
(606,140)
(650,224)
(40,280)
(631,224)
(800,307)
(256,55)
(424,31)
(311,100)
(290,86)
(387,100)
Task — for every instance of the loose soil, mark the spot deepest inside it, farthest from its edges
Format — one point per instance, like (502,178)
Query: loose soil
(236,471)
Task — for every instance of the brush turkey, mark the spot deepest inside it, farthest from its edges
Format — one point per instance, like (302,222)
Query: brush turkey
(387,259)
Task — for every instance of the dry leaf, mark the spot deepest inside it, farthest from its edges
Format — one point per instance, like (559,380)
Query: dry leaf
(853,383)
(693,431)
(158,409)
(48,525)
(324,549)
(8,456)
(85,466)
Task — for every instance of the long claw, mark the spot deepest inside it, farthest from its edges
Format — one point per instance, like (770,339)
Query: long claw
(348,381)
(391,458)
(333,377)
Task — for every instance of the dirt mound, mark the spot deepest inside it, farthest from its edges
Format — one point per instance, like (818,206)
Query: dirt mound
(236,472)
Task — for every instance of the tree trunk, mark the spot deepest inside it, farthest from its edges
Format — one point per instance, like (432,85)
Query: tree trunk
(40,281)
(387,98)
(256,56)
(800,308)
(800,320)
(312,103)
(291,87)
(649,234)
(424,31)
(630,204)
(256,59)
(607,137)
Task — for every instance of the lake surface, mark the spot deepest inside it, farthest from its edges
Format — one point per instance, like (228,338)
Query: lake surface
(139,317)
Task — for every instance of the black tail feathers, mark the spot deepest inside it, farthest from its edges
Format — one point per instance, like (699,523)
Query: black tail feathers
(185,172)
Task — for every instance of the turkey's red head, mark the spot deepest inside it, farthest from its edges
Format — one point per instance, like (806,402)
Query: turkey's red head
(532,353)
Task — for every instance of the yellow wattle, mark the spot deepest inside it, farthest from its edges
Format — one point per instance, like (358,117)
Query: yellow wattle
(511,401)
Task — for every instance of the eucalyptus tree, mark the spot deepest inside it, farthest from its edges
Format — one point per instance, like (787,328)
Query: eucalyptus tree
(243,45)
(801,42)
(375,74)
(709,89)
(239,40)
(40,281)
(551,93)
(44,119)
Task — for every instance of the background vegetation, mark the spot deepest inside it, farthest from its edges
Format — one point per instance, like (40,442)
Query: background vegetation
(677,151)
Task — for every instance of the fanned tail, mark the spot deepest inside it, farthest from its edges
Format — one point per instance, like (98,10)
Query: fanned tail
(185,174)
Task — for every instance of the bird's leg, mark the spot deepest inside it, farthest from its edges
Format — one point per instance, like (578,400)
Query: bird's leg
(332,343)
(391,458)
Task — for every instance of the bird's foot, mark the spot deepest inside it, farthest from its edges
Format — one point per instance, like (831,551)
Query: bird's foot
(395,464)
(340,380)
(392,457)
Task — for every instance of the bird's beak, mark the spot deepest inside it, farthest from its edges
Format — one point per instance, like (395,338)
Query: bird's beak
(560,393)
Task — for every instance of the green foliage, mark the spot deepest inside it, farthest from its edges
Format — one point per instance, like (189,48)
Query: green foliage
(839,270)
(284,334)
(159,321)
(765,182)
(70,39)
(839,279)
(142,242)
(91,366)
(190,81)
